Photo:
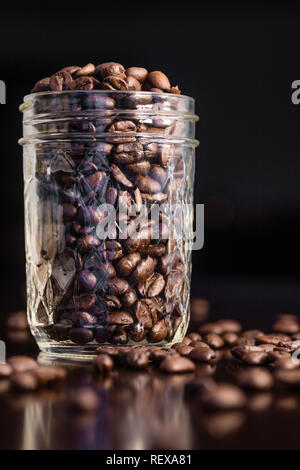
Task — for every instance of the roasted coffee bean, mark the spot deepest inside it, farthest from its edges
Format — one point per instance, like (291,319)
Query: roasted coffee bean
(81,335)
(88,69)
(141,167)
(256,358)
(107,267)
(147,184)
(214,341)
(224,397)
(17,320)
(242,349)
(108,69)
(119,318)
(120,177)
(5,370)
(256,378)
(87,280)
(113,82)
(123,127)
(199,309)
(158,332)
(286,362)
(200,354)
(47,375)
(184,349)
(139,73)
(82,83)
(41,86)
(87,243)
(174,364)
(83,318)
(72,69)
(24,381)
(22,363)
(290,378)
(128,263)
(192,337)
(230,339)
(287,326)
(120,336)
(118,286)
(129,298)
(60,81)
(113,302)
(133,84)
(137,332)
(143,315)
(137,359)
(84,399)
(103,363)
(145,269)
(275,355)
(158,80)
(272,339)
(104,333)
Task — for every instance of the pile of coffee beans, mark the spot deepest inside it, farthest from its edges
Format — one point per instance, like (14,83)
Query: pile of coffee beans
(106,76)
(260,362)
(122,290)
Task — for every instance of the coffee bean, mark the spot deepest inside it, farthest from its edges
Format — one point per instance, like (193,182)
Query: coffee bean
(5,370)
(133,84)
(81,335)
(120,336)
(158,80)
(137,359)
(83,318)
(242,349)
(41,86)
(72,69)
(199,354)
(192,337)
(22,363)
(88,69)
(113,82)
(104,333)
(255,357)
(184,349)
(60,81)
(274,355)
(24,381)
(214,341)
(17,320)
(224,397)
(139,73)
(48,375)
(119,176)
(119,318)
(87,280)
(272,339)
(174,364)
(103,363)
(144,269)
(127,264)
(256,378)
(290,378)
(286,326)
(109,350)
(137,332)
(82,83)
(118,286)
(109,68)
(230,339)
(129,298)
(158,332)
(286,362)
(147,184)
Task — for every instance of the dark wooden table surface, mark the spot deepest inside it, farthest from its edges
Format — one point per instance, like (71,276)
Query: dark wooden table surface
(146,410)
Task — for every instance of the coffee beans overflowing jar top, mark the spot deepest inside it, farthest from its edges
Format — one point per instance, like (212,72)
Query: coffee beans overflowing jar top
(109,165)
(106,76)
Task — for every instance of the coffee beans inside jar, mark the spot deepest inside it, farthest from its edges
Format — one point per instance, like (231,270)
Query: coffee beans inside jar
(108,200)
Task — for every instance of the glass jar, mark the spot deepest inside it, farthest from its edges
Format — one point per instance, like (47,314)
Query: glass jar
(108,217)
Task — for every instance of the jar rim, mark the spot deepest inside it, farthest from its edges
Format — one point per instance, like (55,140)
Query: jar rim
(155,94)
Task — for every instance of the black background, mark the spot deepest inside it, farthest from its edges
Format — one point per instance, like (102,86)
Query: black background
(238,61)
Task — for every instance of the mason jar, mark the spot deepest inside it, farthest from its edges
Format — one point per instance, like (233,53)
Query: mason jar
(108,190)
